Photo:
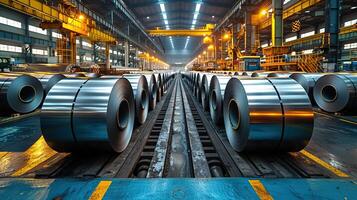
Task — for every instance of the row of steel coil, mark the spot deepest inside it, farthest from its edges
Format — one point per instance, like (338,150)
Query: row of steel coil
(85,113)
(264,111)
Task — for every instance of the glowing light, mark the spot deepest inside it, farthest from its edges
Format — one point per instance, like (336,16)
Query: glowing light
(81,17)
(210,47)
(263,12)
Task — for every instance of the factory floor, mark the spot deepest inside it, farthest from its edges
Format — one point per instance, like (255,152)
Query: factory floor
(24,153)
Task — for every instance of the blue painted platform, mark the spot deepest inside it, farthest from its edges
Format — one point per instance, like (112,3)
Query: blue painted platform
(222,188)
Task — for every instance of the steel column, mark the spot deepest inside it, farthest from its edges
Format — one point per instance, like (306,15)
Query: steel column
(126,56)
(332,16)
(277,23)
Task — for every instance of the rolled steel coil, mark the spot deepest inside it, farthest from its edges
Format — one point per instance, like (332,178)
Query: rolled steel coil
(278,75)
(141,96)
(197,86)
(267,115)
(337,93)
(75,75)
(153,87)
(246,73)
(160,84)
(307,81)
(216,93)
(82,115)
(92,75)
(49,80)
(206,80)
(260,74)
(236,74)
(20,94)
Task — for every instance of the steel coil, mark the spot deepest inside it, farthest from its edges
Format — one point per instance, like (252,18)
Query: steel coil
(278,75)
(206,80)
(337,93)
(49,80)
(260,74)
(141,96)
(307,81)
(197,86)
(82,115)
(267,115)
(160,86)
(92,75)
(20,94)
(153,87)
(75,75)
(216,94)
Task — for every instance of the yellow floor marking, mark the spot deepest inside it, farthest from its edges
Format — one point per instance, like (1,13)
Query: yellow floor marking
(339,118)
(260,190)
(35,155)
(324,164)
(100,190)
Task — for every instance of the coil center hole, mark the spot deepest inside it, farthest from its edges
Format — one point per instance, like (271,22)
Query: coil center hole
(27,94)
(234,114)
(329,93)
(123,114)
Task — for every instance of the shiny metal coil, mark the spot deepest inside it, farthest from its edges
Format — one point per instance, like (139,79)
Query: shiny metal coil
(267,115)
(337,93)
(20,94)
(83,115)
(216,93)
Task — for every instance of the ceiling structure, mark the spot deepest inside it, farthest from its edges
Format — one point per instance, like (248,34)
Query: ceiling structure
(179,14)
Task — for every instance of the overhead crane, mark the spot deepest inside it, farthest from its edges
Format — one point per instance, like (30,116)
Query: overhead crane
(206,31)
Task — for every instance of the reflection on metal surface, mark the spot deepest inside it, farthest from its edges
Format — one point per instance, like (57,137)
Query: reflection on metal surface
(80,115)
(337,93)
(267,114)
(36,154)
(324,164)
(20,94)
(153,89)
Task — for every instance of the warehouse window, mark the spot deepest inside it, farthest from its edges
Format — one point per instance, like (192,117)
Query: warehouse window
(40,52)
(308,51)
(37,30)
(286,1)
(56,35)
(77,41)
(10,22)
(307,34)
(351,22)
(9,48)
(322,30)
(290,38)
(350,46)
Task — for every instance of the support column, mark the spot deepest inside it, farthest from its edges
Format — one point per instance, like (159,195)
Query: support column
(332,16)
(249,34)
(126,54)
(73,46)
(28,43)
(277,23)
(107,56)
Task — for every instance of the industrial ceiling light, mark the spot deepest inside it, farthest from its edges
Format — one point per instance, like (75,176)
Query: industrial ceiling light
(147,17)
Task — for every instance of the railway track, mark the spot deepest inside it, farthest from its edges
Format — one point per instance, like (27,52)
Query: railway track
(178,140)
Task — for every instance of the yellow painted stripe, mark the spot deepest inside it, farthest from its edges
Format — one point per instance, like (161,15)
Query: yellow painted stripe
(335,117)
(324,164)
(35,155)
(100,190)
(260,190)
